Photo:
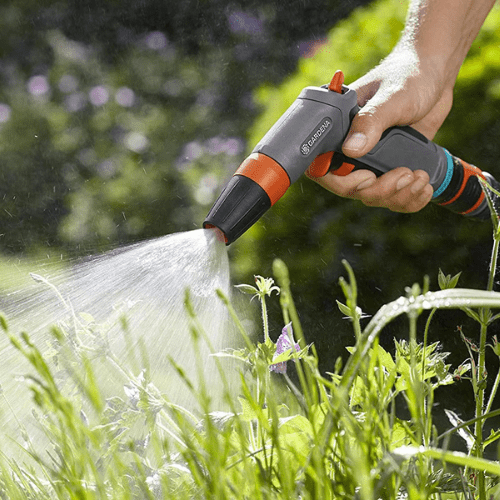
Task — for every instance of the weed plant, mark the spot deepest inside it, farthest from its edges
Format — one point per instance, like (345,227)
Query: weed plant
(311,436)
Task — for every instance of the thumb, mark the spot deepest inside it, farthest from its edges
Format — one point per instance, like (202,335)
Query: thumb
(366,129)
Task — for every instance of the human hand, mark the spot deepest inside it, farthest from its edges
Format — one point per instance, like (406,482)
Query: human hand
(400,91)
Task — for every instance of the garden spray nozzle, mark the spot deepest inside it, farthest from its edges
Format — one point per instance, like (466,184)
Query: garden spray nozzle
(315,123)
(309,136)
(257,184)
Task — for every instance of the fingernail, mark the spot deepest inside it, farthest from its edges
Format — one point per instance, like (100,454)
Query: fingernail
(355,141)
(365,184)
(404,181)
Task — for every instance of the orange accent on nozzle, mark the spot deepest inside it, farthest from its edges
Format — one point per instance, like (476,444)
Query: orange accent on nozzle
(337,82)
(267,173)
(469,170)
(344,169)
(320,165)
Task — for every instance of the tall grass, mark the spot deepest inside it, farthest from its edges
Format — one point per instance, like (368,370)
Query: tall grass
(311,436)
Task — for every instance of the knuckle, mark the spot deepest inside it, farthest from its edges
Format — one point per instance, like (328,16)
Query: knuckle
(406,171)
(422,174)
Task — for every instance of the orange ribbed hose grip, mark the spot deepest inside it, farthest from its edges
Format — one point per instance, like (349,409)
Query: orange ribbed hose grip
(267,173)
(469,171)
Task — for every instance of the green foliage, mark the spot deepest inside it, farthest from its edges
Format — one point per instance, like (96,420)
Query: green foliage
(334,435)
(111,152)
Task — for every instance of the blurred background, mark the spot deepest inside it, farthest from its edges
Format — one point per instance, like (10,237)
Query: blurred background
(121,120)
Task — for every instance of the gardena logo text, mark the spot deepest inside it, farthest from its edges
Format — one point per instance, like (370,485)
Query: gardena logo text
(306,147)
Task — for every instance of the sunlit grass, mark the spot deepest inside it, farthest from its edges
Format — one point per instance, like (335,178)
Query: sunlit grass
(334,435)
(310,435)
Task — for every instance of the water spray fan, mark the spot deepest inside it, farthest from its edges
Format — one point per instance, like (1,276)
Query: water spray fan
(309,137)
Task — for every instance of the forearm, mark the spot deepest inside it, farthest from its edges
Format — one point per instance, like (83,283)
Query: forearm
(441,32)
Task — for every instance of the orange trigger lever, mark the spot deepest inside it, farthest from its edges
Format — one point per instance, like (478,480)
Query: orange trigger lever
(337,82)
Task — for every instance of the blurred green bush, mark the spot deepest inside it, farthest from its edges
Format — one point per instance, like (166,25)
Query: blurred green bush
(120,120)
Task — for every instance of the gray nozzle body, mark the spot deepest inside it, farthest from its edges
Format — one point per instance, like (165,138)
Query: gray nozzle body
(316,122)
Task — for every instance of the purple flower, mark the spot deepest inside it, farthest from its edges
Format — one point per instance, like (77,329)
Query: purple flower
(285,342)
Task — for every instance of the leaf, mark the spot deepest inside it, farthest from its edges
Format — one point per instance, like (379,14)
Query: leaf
(248,412)
(221,419)
(385,359)
(358,393)
(454,280)
(249,289)
(38,278)
(399,435)
(344,309)
(3,323)
(494,318)
(471,314)
(289,355)
(266,350)
(447,282)
(494,436)
(296,435)
(452,457)
(239,354)
(295,423)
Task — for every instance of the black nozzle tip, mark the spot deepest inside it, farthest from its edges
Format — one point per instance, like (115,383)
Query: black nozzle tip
(240,205)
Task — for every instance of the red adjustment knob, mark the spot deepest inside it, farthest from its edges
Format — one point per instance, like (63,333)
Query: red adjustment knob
(337,82)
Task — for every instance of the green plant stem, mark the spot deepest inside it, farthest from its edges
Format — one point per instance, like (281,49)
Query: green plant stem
(478,428)
(493,392)
(416,381)
(493,262)
(170,433)
(426,334)
(265,321)
(481,369)
(280,271)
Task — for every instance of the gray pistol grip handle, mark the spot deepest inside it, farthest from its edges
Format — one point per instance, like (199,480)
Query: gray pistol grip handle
(399,147)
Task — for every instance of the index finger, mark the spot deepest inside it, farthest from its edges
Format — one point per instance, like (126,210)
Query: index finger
(347,185)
